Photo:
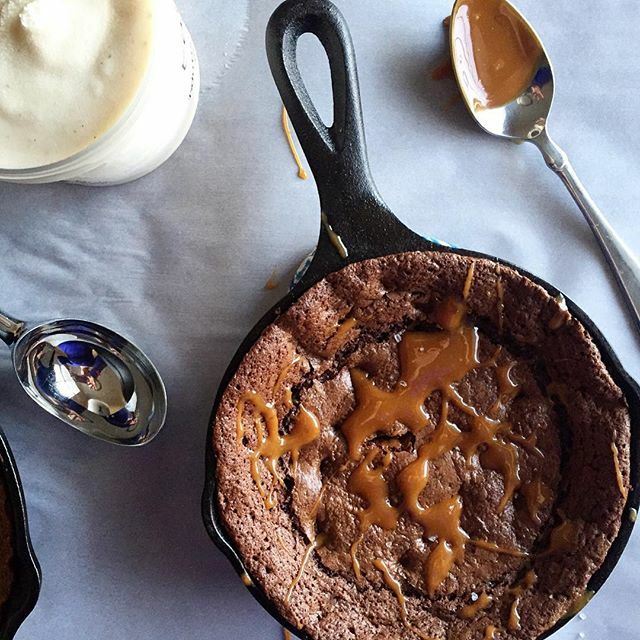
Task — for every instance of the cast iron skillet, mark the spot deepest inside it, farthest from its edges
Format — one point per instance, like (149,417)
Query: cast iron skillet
(26,570)
(349,198)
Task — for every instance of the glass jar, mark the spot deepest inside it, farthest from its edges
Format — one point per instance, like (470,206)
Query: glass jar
(152,127)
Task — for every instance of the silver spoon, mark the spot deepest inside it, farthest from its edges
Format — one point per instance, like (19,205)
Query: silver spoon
(89,377)
(506,80)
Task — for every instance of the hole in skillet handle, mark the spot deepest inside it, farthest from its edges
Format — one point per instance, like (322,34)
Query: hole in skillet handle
(337,155)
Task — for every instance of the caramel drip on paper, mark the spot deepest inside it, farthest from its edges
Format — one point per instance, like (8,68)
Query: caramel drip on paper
(536,494)
(311,547)
(470,611)
(619,477)
(302,174)
(271,446)
(490,632)
(272,282)
(518,591)
(492,546)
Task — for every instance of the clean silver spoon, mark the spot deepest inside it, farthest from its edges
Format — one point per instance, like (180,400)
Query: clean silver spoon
(506,80)
(89,377)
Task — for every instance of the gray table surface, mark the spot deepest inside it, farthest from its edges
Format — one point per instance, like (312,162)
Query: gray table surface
(178,262)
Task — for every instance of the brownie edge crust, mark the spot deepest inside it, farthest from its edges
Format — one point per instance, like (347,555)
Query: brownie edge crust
(523,455)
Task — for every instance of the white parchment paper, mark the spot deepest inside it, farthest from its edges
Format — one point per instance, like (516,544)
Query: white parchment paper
(178,262)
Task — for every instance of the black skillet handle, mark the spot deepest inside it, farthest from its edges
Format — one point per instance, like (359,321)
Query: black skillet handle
(337,155)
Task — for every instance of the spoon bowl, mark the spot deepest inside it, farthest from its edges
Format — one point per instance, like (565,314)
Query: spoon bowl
(91,378)
(507,85)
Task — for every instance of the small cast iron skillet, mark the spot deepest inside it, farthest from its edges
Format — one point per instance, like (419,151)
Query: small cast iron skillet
(349,198)
(26,570)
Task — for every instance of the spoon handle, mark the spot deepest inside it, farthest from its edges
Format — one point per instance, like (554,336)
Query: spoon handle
(10,329)
(622,260)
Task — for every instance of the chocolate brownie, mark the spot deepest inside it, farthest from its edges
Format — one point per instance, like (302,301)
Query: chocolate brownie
(424,445)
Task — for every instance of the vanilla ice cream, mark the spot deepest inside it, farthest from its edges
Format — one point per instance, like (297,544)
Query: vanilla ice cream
(116,77)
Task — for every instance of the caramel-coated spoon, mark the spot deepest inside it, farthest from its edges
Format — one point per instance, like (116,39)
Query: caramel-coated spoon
(506,80)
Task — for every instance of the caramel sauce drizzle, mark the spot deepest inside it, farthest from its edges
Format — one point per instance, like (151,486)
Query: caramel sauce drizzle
(561,316)
(368,482)
(271,446)
(355,563)
(443,519)
(579,603)
(518,591)
(286,634)
(428,362)
(468,281)
(530,444)
(492,546)
(470,611)
(490,632)
(396,588)
(302,174)
(339,338)
(500,294)
(536,494)
(563,538)
(335,239)
(295,358)
(619,477)
(508,389)
(246,579)
(311,547)
(288,399)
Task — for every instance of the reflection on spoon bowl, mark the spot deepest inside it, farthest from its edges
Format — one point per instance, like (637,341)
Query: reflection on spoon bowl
(502,68)
(93,379)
